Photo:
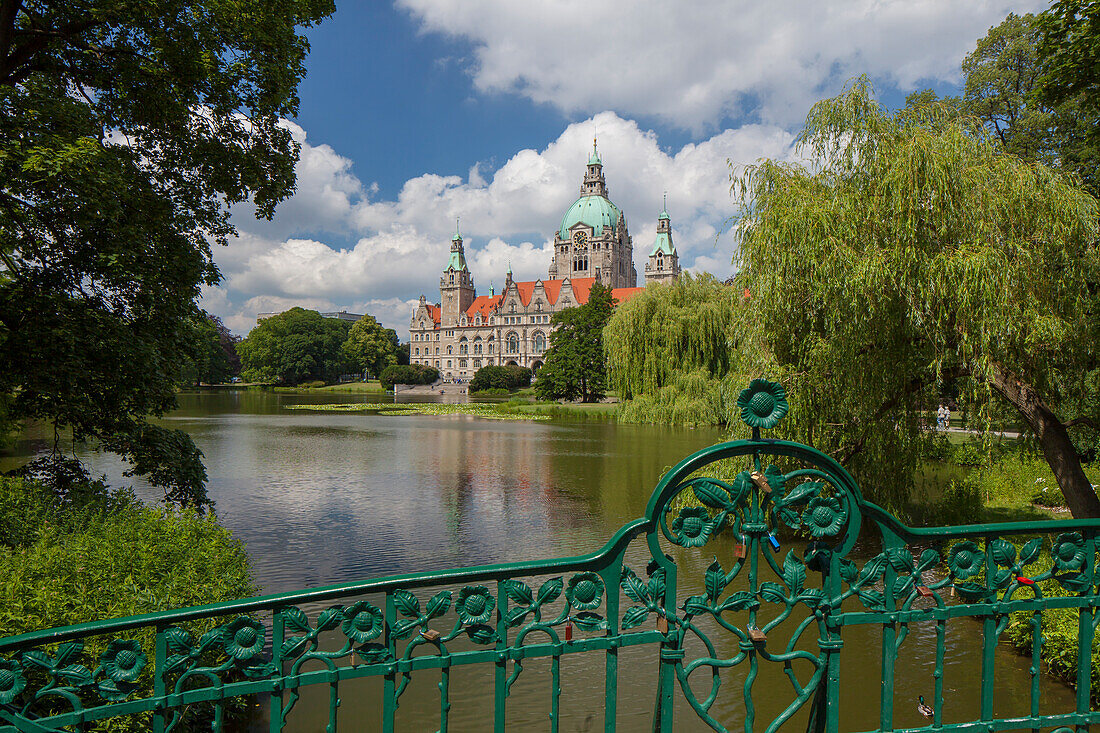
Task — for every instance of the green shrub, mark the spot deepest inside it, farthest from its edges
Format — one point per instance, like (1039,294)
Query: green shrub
(408,374)
(314,384)
(114,556)
(500,378)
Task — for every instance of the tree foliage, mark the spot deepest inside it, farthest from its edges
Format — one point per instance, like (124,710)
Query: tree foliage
(508,377)
(1031,100)
(575,366)
(408,374)
(371,347)
(295,346)
(681,353)
(126,131)
(1069,52)
(908,250)
(215,358)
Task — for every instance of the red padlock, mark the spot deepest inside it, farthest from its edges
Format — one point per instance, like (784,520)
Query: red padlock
(569,631)
(1024,581)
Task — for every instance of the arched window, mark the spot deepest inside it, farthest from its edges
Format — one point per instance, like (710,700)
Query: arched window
(477,345)
(463,346)
(449,349)
(513,344)
(540,343)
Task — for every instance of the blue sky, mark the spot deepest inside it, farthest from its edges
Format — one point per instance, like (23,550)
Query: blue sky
(416,112)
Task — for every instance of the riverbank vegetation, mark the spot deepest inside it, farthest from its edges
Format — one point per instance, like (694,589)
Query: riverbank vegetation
(72,551)
(500,379)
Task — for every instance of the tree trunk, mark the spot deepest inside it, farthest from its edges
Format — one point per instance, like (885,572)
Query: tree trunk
(1054,439)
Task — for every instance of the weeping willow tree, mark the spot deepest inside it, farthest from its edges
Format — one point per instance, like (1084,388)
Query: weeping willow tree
(675,353)
(909,249)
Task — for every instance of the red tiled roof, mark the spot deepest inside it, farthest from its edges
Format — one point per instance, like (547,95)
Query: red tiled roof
(435,312)
(581,286)
(483,304)
(621,295)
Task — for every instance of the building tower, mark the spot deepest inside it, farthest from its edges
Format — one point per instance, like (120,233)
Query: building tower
(456,287)
(592,240)
(664,263)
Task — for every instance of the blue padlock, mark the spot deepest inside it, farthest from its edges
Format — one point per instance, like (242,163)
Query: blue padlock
(774,543)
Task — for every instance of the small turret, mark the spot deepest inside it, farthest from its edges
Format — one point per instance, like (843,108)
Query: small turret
(664,262)
(594,183)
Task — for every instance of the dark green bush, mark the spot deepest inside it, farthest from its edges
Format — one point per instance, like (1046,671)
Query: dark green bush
(501,377)
(408,374)
(65,563)
(314,383)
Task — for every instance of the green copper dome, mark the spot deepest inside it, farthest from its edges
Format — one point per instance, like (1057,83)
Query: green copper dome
(596,211)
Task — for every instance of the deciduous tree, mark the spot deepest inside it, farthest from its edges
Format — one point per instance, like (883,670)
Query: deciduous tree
(910,249)
(370,347)
(126,132)
(295,346)
(575,367)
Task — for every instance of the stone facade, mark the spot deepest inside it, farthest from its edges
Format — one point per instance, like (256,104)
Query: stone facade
(466,331)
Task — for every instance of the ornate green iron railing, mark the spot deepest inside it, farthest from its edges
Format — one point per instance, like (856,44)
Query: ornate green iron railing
(167,668)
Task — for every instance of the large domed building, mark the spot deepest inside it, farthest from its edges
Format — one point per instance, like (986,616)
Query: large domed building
(466,331)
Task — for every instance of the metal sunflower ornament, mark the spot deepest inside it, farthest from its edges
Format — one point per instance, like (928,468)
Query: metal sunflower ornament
(763,404)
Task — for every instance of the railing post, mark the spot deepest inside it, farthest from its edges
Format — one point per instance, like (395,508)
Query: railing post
(666,674)
(389,685)
(989,639)
(500,681)
(1086,627)
(275,704)
(160,685)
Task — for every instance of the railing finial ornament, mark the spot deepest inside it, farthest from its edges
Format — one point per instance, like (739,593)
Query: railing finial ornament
(763,404)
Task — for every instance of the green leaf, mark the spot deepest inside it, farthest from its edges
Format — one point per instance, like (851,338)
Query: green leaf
(656,585)
(900,560)
(438,604)
(589,621)
(873,569)
(1029,553)
(407,604)
(373,653)
(773,592)
(296,619)
(634,617)
(812,597)
(742,600)
(802,492)
(633,587)
(330,618)
(872,599)
(715,580)
(68,651)
(178,640)
(929,558)
(401,629)
(37,658)
(696,605)
(848,570)
(294,646)
(515,616)
(1004,552)
(711,494)
(550,591)
(519,592)
(481,633)
(794,572)
(788,516)
(902,586)
(77,674)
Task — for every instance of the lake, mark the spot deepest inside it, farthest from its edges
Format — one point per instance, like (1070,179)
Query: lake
(323,497)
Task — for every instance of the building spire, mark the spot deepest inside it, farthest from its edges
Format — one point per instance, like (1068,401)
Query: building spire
(457,237)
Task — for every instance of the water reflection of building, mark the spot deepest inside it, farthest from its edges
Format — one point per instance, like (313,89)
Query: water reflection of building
(465,331)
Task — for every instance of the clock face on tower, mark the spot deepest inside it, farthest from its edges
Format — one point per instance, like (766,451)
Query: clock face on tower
(580,239)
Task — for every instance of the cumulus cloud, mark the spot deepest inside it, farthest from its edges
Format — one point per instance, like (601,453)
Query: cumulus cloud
(694,63)
(398,247)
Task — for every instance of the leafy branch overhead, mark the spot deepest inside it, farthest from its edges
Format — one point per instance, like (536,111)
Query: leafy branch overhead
(126,131)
